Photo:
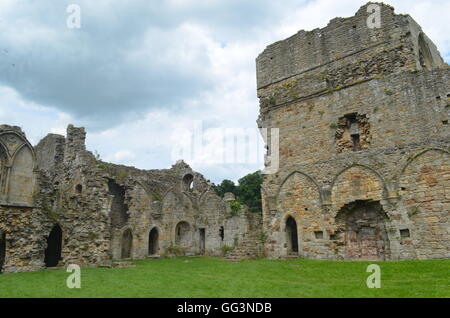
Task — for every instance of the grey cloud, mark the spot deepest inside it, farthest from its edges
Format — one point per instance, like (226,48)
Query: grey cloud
(89,73)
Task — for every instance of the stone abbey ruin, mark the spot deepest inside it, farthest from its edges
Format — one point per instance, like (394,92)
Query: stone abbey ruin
(62,205)
(364,168)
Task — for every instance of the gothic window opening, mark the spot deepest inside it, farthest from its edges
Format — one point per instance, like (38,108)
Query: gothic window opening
(188,182)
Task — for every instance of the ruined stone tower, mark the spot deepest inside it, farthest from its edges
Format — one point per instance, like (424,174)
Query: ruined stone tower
(364,141)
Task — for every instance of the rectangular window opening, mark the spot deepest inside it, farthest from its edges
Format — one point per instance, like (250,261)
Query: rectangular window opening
(404,233)
(356,142)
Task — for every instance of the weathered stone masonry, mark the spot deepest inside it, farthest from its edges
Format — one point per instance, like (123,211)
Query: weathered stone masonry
(364,142)
(363,118)
(61,205)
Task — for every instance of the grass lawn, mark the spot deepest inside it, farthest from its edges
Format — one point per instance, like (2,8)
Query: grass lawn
(214,277)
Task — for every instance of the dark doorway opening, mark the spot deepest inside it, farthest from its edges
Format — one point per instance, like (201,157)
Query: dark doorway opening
(153,242)
(127,244)
(222,233)
(291,235)
(202,241)
(54,246)
(2,250)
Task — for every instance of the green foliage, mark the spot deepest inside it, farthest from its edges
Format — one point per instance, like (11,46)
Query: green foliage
(121,176)
(333,126)
(102,166)
(226,249)
(248,190)
(388,92)
(224,187)
(235,207)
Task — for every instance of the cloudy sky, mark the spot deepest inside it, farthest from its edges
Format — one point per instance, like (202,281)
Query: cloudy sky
(141,74)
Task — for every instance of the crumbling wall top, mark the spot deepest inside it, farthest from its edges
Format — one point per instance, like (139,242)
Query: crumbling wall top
(343,41)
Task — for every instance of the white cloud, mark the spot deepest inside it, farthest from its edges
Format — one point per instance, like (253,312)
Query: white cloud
(154,76)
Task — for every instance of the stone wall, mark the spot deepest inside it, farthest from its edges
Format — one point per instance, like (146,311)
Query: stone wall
(66,206)
(357,109)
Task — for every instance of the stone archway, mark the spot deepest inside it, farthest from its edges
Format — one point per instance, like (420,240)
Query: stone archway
(362,231)
(127,244)
(291,235)
(153,243)
(54,246)
(2,250)
(183,235)
(425,56)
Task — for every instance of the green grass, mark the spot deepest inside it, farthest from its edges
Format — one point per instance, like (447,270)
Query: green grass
(213,277)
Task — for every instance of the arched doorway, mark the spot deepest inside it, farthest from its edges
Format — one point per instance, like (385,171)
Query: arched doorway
(183,234)
(54,246)
(291,235)
(362,230)
(153,245)
(127,243)
(2,250)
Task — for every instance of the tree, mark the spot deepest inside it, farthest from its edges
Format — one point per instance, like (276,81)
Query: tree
(224,187)
(248,190)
